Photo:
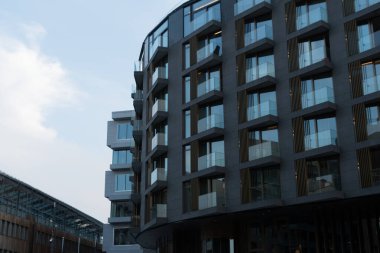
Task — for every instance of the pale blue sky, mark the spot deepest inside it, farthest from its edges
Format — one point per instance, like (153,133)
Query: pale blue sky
(64,67)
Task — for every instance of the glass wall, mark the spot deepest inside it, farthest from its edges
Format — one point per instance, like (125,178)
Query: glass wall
(123,182)
(211,153)
(122,157)
(362,4)
(124,131)
(120,236)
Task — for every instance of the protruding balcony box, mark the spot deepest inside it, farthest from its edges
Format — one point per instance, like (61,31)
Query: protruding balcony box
(319,96)
(159,140)
(373,130)
(159,48)
(371,84)
(116,220)
(362,4)
(212,84)
(159,111)
(211,160)
(321,139)
(138,101)
(211,121)
(138,74)
(137,131)
(252,8)
(203,24)
(158,179)
(159,146)
(211,200)
(257,72)
(159,79)
(136,165)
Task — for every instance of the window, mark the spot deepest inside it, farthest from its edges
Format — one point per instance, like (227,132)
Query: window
(316,91)
(208,81)
(199,13)
(123,182)
(258,66)
(122,157)
(310,12)
(312,51)
(265,184)
(369,34)
(124,131)
(187,89)
(371,76)
(120,236)
(211,44)
(323,175)
(261,104)
(120,209)
(373,121)
(210,116)
(263,143)
(320,132)
(187,197)
(187,55)
(187,159)
(257,29)
(187,124)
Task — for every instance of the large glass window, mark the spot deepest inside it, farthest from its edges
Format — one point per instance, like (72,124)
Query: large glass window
(309,12)
(212,44)
(312,51)
(265,184)
(320,132)
(369,34)
(316,90)
(257,29)
(263,143)
(371,76)
(122,157)
(373,121)
(120,236)
(123,182)
(257,66)
(121,209)
(124,131)
(323,175)
(199,13)
(261,104)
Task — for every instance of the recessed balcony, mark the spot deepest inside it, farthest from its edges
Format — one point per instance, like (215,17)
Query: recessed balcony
(252,8)
(159,146)
(315,55)
(211,160)
(369,41)
(207,50)
(320,139)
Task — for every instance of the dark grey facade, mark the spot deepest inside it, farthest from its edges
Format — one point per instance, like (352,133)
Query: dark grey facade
(258,128)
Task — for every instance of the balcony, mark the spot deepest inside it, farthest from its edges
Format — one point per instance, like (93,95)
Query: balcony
(311,17)
(310,57)
(255,6)
(369,41)
(159,174)
(266,108)
(323,183)
(209,49)
(211,160)
(159,211)
(373,130)
(320,139)
(362,4)
(371,84)
(204,23)
(159,48)
(211,121)
(159,112)
(159,146)
(123,219)
(263,32)
(159,79)
(210,200)
(159,140)
(319,96)
(212,84)
(257,72)
(265,149)
(137,131)
(138,101)
(138,74)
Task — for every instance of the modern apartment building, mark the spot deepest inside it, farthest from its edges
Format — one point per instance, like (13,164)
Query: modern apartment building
(120,232)
(259,129)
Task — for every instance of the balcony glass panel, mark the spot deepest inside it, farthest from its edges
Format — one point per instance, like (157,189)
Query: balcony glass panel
(315,14)
(373,122)
(159,211)
(317,97)
(263,109)
(243,5)
(159,139)
(160,72)
(256,72)
(264,149)
(370,77)
(159,105)
(159,174)
(366,39)
(212,199)
(160,41)
(257,34)
(320,139)
(211,160)
(362,4)
(311,54)
(201,18)
(208,49)
(208,85)
(213,120)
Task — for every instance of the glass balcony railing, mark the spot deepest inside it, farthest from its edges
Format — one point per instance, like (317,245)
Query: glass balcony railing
(311,17)
(211,14)
(159,72)
(208,85)
(256,72)
(159,211)
(323,183)
(137,125)
(373,128)
(214,120)
(263,109)
(208,200)
(161,41)
(369,41)
(260,33)
(159,106)
(371,84)
(138,66)
(320,139)
(310,57)
(243,5)
(263,150)
(362,4)
(211,160)
(317,97)
(159,140)
(208,50)
(159,174)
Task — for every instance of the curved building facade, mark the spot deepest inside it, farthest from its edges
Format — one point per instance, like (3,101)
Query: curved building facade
(257,128)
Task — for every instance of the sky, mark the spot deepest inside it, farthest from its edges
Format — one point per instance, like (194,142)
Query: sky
(64,67)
